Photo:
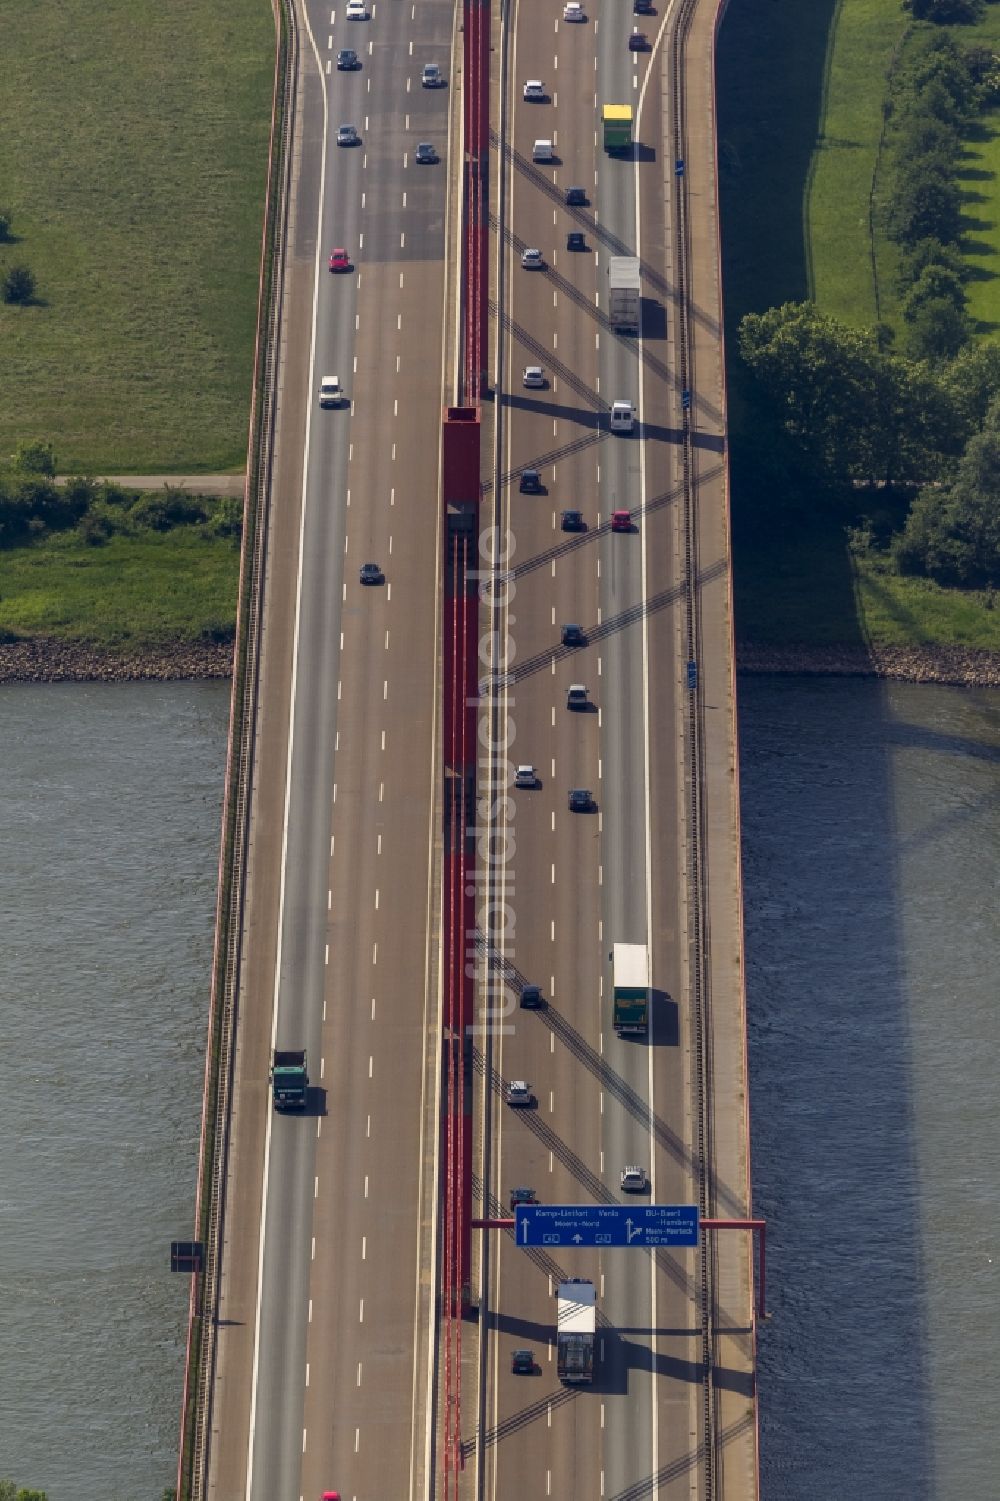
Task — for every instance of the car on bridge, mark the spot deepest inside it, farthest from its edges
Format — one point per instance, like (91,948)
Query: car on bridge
(532,259)
(534,91)
(347,60)
(356,10)
(633,1179)
(576,197)
(522,1196)
(580,800)
(331,392)
(638,42)
(576,240)
(431,77)
(573,635)
(371,573)
(621,521)
(347,135)
(572,521)
(425,154)
(530,482)
(522,1362)
(573,11)
(519,1095)
(340,260)
(526,776)
(531,998)
(533,377)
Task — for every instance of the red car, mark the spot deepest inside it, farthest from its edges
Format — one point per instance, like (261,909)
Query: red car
(331,1496)
(621,521)
(340,261)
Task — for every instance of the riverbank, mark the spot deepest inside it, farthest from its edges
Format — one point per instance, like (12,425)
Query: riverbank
(48,661)
(966,667)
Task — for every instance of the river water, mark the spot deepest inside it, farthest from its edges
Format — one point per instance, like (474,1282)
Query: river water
(109,827)
(871,835)
(871,817)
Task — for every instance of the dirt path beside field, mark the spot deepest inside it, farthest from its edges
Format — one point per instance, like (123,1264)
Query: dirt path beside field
(198,484)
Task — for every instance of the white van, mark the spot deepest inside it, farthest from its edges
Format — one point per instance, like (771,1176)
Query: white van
(622,416)
(542,152)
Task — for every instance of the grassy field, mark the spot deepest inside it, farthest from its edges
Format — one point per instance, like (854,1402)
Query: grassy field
(807,589)
(135,139)
(153,589)
(800,111)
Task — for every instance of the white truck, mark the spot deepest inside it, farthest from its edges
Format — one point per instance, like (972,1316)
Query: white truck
(631,994)
(624,300)
(576,1328)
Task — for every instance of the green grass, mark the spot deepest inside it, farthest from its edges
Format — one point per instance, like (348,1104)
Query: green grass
(866,34)
(806,589)
(800,92)
(157,588)
(135,139)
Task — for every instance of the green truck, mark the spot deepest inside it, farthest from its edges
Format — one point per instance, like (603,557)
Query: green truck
(289,1078)
(631,1013)
(616,123)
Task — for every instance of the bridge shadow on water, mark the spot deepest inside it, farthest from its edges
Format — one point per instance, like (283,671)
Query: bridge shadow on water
(845,1395)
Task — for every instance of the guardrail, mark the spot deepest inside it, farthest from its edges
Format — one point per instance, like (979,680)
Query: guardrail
(199,1370)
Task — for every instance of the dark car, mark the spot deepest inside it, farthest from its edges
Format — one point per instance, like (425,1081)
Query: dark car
(530,482)
(573,635)
(576,196)
(572,521)
(522,1196)
(576,240)
(371,573)
(347,60)
(425,155)
(522,1363)
(531,998)
(643,7)
(637,42)
(580,800)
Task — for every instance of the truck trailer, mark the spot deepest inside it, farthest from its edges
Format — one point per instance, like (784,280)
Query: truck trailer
(624,298)
(289,1078)
(616,125)
(576,1326)
(631,980)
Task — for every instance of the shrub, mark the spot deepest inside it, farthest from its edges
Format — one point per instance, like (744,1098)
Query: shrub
(947,12)
(18,285)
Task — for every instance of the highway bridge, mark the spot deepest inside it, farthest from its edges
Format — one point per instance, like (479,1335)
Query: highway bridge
(348,1346)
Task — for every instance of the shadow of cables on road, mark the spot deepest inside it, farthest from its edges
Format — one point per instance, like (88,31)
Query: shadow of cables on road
(642,1490)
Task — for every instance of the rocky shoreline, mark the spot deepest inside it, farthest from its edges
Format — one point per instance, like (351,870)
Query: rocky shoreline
(75,662)
(966,667)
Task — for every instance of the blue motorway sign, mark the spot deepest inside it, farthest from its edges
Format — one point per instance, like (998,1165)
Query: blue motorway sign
(635,1225)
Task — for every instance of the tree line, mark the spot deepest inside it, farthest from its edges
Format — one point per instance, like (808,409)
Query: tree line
(835,410)
(33,506)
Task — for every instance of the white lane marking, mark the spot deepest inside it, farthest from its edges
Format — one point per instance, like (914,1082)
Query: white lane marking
(553,767)
(381,791)
(387,640)
(371,1070)
(392,496)
(375,952)
(390,545)
(553,817)
(364,1248)
(548,1410)
(376,898)
(552,1042)
(316,1187)
(329,900)
(553,873)
(600,763)
(307,1373)
(373,1008)
(552,930)
(552,1102)
(368,1128)
(385,689)
(602,1404)
(357,1439)
(378,850)
(359,1373)
(361,1311)
(312,1256)
(304,1432)
(383,739)
(322,1065)
(310,1319)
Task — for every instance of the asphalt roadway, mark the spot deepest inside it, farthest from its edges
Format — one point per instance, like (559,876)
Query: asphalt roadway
(578,883)
(325,1370)
(323,1376)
